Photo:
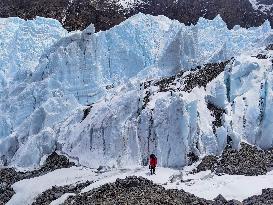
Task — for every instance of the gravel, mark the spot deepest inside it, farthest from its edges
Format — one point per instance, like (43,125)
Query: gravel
(6,192)
(138,190)
(248,161)
(266,198)
(56,192)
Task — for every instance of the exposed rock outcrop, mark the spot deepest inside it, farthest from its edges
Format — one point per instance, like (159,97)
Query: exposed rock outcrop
(248,161)
(266,198)
(6,192)
(78,14)
(133,190)
(138,190)
(56,192)
(53,162)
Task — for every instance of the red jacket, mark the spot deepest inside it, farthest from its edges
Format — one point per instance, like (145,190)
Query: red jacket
(153,162)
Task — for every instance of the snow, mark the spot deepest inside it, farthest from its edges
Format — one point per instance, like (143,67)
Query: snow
(259,6)
(207,185)
(203,184)
(61,199)
(161,177)
(27,189)
(128,4)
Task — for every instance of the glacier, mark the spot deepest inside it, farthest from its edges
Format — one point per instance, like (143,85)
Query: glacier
(148,85)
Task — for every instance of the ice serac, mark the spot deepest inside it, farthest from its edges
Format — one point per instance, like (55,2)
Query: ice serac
(148,85)
(86,64)
(169,121)
(22,44)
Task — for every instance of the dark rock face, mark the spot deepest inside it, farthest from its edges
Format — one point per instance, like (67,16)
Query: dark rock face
(9,176)
(266,198)
(192,158)
(234,12)
(247,161)
(75,15)
(217,113)
(86,112)
(202,76)
(104,14)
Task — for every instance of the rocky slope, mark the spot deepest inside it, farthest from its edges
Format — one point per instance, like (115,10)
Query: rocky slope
(104,14)
(263,199)
(138,190)
(56,192)
(133,190)
(248,161)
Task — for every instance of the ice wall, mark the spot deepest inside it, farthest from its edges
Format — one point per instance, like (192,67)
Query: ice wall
(86,63)
(22,44)
(42,107)
(167,118)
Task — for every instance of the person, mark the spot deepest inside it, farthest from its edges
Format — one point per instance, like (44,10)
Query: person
(153,163)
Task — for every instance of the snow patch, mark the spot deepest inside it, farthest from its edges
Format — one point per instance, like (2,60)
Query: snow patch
(261,7)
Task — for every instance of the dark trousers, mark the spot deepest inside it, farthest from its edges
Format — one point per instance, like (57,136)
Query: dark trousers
(152,170)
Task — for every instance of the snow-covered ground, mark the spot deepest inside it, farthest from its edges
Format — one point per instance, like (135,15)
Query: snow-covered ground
(204,184)
(27,189)
(207,185)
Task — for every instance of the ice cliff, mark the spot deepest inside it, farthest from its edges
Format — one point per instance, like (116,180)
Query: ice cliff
(148,85)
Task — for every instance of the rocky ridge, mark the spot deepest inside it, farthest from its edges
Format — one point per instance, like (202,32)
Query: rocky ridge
(248,161)
(56,192)
(104,14)
(138,190)
(264,199)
